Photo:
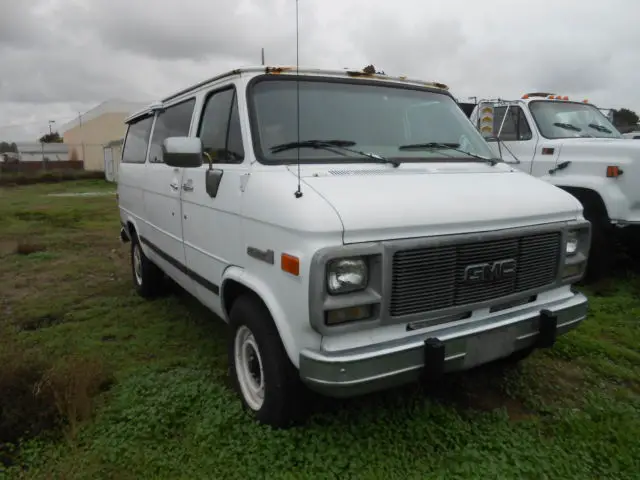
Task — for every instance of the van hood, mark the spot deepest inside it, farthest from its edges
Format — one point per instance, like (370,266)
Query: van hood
(383,203)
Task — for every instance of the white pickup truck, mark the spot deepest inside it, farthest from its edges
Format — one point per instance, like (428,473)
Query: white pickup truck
(572,145)
(353,229)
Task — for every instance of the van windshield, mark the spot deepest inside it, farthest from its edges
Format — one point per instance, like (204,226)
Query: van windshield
(568,120)
(377,119)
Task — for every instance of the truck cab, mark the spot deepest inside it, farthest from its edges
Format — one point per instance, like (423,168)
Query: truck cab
(353,229)
(574,146)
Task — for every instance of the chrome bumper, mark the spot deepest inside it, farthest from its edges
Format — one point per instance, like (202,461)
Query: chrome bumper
(453,348)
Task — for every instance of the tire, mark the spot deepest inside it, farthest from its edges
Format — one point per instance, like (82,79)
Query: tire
(261,372)
(601,257)
(148,279)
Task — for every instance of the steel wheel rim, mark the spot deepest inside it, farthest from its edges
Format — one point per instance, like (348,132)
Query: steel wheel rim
(249,370)
(137,264)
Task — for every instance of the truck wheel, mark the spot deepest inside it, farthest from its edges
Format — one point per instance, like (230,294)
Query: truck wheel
(601,253)
(148,279)
(263,375)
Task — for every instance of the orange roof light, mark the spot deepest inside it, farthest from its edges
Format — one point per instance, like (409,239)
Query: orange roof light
(585,101)
(525,96)
(565,98)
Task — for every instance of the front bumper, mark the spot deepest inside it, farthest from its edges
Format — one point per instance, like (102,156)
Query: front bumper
(384,365)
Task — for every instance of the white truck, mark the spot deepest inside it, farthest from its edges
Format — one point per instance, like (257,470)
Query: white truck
(353,229)
(574,146)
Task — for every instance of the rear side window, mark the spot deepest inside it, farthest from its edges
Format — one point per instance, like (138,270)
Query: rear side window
(220,127)
(174,121)
(137,141)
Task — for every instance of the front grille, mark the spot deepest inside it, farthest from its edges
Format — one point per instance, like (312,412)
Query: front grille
(433,278)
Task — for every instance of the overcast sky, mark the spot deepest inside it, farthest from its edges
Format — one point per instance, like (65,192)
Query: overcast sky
(58,57)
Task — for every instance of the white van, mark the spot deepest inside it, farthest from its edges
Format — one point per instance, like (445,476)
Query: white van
(368,242)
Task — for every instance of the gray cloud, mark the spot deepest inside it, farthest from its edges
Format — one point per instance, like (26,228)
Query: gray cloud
(58,56)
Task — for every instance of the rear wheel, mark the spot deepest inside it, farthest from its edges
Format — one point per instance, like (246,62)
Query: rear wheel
(266,380)
(148,279)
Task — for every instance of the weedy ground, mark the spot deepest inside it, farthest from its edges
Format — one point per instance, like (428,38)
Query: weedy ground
(97,383)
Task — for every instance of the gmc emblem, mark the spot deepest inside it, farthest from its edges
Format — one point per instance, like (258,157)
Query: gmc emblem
(486,272)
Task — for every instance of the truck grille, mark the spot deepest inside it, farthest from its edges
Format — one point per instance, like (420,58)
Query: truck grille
(433,278)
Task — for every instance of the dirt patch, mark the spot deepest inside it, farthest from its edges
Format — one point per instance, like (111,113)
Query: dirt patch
(482,389)
(37,398)
(28,248)
(25,411)
(44,321)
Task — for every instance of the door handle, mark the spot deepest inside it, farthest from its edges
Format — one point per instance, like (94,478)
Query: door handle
(187,187)
(174,186)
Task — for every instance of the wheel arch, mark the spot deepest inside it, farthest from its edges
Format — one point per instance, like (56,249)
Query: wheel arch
(237,283)
(592,202)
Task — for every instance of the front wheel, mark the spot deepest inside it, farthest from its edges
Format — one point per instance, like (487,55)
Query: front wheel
(601,254)
(262,374)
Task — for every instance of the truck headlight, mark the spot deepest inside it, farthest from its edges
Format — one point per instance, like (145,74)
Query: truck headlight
(346,275)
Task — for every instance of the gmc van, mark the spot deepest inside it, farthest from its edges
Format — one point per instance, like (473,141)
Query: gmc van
(355,231)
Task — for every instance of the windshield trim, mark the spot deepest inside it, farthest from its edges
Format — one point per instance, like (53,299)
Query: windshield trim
(253,121)
(535,120)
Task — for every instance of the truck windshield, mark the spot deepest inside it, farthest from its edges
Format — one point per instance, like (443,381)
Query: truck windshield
(568,120)
(376,119)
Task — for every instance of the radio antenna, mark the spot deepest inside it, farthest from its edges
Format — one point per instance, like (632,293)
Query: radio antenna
(298,192)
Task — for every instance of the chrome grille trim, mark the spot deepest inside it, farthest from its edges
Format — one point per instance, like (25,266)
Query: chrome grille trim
(427,279)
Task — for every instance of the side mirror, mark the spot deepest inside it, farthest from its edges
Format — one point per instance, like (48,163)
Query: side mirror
(212,181)
(183,152)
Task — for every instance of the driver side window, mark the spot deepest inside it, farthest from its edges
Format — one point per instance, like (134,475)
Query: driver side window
(220,127)
(515,126)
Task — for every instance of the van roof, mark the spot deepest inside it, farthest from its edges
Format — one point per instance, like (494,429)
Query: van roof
(287,70)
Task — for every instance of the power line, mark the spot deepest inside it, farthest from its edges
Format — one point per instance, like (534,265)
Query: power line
(26,124)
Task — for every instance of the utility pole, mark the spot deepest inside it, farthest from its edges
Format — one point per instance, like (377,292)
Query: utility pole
(50,122)
(263,56)
(82,135)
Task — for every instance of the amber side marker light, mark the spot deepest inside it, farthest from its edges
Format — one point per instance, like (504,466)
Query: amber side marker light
(613,171)
(290,264)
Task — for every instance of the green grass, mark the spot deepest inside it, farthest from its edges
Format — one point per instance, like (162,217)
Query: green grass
(127,388)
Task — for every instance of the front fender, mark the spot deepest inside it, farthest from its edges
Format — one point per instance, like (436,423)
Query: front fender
(292,338)
(612,196)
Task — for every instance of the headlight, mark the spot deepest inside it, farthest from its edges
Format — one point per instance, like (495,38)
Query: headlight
(347,275)
(572,243)
(576,252)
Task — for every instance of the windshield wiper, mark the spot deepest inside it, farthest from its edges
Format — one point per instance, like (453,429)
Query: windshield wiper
(568,126)
(447,146)
(332,144)
(600,128)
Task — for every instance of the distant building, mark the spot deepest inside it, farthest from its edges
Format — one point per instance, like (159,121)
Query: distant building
(37,152)
(88,134)
(112,157)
